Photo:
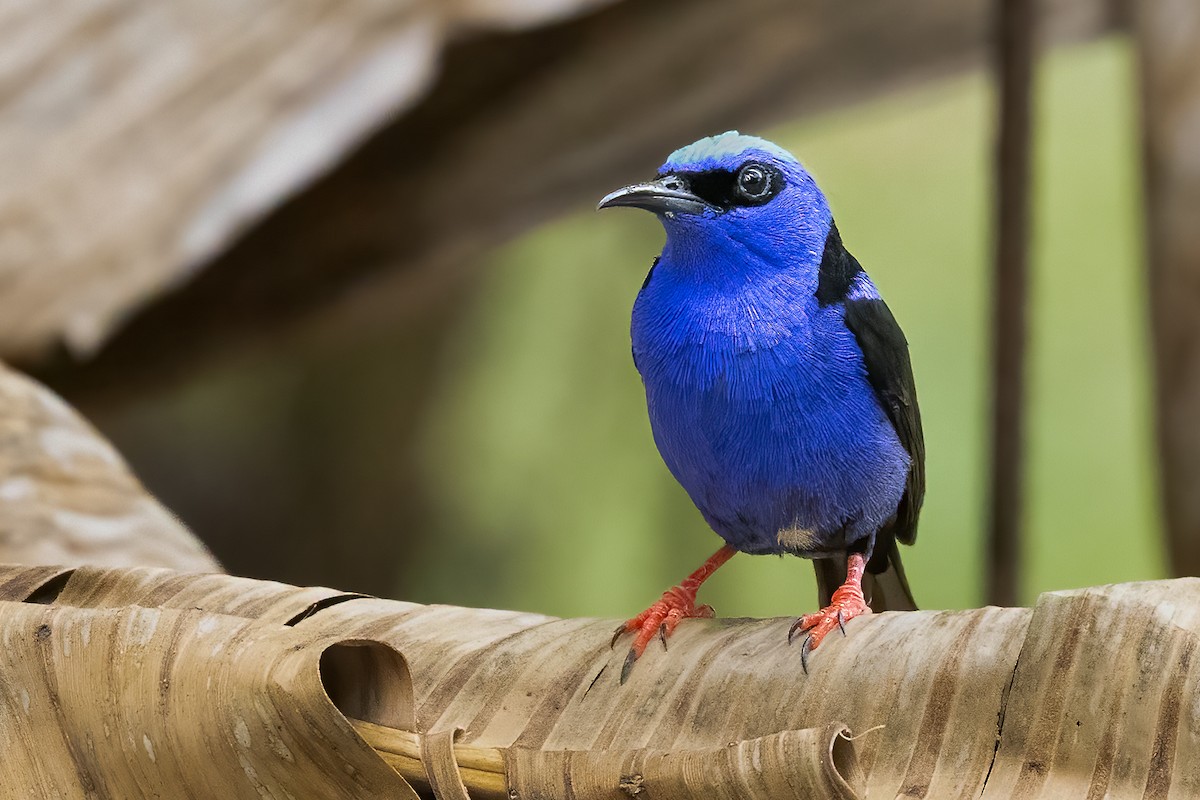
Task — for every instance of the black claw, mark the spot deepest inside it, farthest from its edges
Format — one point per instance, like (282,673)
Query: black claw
(616,635)
(662,634)
(627,667)
(841,626)
(804,651)
(799,627)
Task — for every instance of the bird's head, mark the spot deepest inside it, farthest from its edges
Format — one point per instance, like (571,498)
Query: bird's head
(733,191)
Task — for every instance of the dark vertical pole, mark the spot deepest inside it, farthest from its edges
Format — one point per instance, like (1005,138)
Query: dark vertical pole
(1014,73)
(1168,35)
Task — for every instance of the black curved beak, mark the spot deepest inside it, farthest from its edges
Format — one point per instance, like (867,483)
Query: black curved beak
(666,195)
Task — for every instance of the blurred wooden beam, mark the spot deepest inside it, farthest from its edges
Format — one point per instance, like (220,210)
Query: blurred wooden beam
(521,127)
(1016,23)
(1168,35)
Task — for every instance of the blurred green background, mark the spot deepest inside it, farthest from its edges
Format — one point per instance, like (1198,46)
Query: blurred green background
(494,450)
(546,478)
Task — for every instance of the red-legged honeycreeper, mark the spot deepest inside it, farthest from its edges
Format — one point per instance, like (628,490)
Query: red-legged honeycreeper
(778,383)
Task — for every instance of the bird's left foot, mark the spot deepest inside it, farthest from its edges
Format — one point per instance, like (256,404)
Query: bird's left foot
(846,604)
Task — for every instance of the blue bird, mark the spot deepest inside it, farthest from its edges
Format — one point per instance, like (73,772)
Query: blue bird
(778,383)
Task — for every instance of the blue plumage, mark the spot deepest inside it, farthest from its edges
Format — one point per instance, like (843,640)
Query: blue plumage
(749,334)
(758,395)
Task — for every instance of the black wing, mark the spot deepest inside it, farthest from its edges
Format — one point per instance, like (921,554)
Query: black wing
(889,371)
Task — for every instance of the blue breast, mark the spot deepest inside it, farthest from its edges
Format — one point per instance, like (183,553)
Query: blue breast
(761,408)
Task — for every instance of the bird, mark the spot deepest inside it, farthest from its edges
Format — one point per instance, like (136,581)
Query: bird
(778,383)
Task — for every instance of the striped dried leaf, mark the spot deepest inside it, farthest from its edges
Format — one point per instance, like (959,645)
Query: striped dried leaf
(1091,693)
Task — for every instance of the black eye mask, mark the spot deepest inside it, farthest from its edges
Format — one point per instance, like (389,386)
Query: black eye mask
(726,189)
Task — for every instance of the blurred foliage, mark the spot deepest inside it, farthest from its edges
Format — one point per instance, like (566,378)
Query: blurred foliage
(548,492)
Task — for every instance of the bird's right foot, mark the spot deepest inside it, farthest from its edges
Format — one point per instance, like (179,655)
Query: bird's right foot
(677,603)
(660,619)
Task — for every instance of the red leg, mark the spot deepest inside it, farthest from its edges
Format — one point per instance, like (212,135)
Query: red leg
(677,603)
(846,604)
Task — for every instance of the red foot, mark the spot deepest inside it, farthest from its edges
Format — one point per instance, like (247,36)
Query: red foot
(661,618)
(677,603)
(846,604)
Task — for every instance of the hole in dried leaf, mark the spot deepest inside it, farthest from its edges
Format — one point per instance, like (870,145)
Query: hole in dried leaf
(321,605)
(49,591)
(369,681)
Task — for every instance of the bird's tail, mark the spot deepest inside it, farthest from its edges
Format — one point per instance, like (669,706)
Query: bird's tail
(887,591)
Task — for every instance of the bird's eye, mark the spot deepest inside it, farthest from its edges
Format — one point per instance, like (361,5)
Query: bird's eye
(754,182)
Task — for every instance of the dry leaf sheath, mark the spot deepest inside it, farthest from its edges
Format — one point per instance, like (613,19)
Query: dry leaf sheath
(132,682)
